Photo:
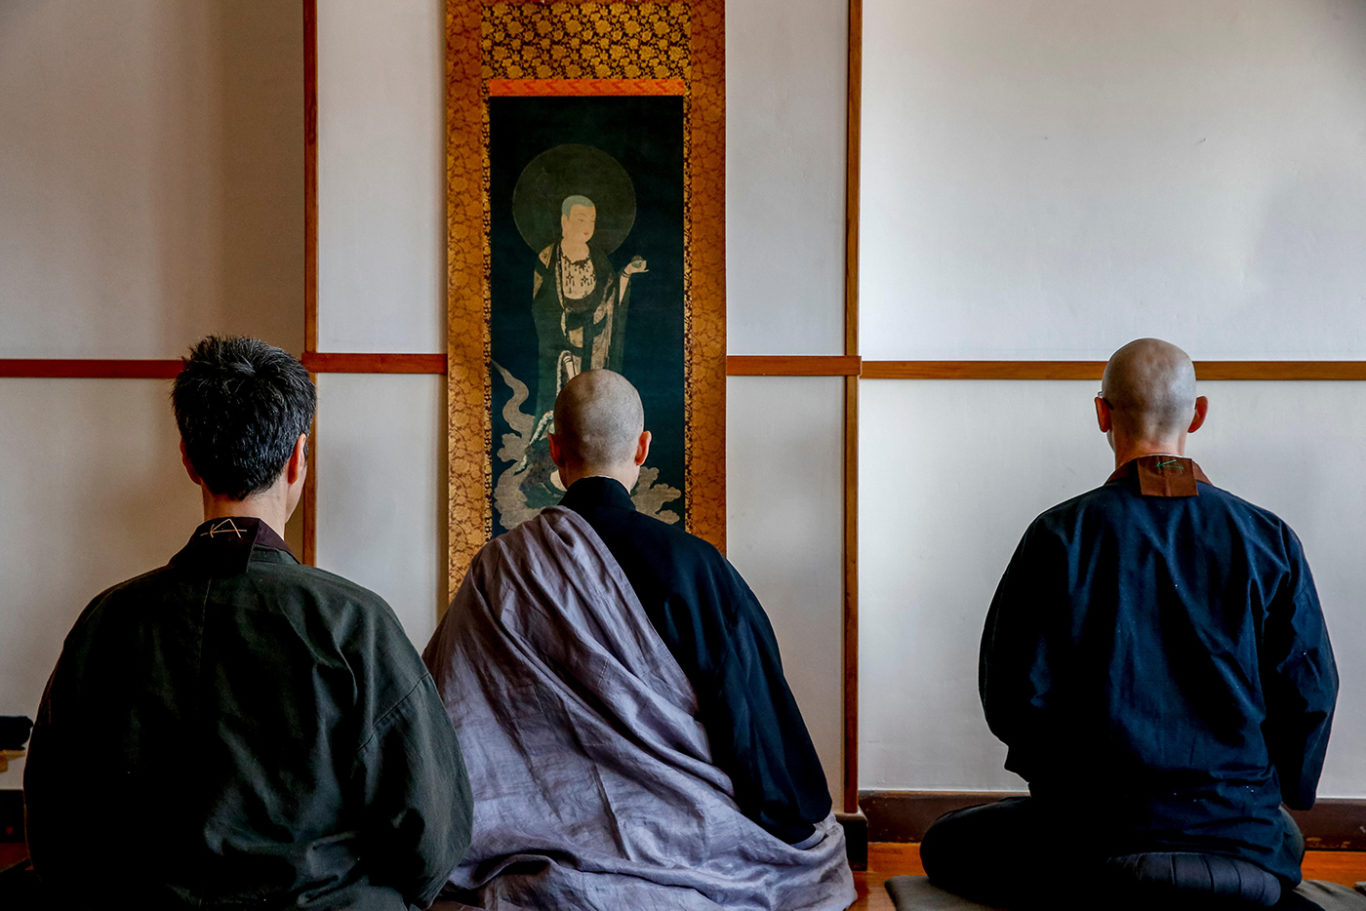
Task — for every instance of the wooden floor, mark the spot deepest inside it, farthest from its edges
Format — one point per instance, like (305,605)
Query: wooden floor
(886,860)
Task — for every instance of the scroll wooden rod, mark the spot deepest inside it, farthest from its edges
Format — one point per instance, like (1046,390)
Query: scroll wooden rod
(1091,370)
(792,365)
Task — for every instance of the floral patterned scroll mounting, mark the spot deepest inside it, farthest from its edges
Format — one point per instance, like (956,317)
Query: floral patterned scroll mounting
(586,211)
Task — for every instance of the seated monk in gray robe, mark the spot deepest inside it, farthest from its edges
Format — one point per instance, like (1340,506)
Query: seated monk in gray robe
(630,737)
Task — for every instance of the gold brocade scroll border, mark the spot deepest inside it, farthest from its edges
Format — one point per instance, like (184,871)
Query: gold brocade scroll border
(580,47)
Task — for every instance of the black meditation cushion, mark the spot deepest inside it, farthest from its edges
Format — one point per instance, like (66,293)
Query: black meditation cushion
(915,893)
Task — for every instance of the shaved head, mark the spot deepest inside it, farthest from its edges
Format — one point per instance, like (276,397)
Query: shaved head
(598,420)
(1150,385)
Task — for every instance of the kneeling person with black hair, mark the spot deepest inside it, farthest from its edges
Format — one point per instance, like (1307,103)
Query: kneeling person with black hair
(236,729)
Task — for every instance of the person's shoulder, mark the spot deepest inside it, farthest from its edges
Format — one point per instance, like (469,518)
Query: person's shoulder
(1250,515)
(345,606)
(135,590)
(1104,497)
(321,585)
(544,255)
(672,537)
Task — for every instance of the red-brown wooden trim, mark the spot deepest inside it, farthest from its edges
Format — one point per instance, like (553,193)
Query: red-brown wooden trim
(310,175)
(791,365)
(982,370)
(852,177)
(331,362)
(1280,370)
(1251,371)
(309,504)
(90,368)
(579,87)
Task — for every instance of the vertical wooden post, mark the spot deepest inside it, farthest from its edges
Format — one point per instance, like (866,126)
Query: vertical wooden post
(310,497)
(851,347)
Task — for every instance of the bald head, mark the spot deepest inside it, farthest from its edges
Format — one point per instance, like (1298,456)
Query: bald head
(1150,387)
(599,421)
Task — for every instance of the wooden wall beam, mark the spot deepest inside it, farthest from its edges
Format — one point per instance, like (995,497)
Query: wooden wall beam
(792,365)
(334,362)
(90,368)
(849,544)
(308,507)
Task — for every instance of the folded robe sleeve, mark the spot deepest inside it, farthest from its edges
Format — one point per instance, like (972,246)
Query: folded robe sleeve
(756,730)
(1299,680)
(1017,659)
(417,794)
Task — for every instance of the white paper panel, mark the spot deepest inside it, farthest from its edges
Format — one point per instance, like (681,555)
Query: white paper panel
(784,500)
(381,176)
(381,478)
(151,173)
(92,492)
(952,472)
(785,104)
(1052,179)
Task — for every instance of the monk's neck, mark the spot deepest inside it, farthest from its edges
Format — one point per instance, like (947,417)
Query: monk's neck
(272,510)
(1128,450)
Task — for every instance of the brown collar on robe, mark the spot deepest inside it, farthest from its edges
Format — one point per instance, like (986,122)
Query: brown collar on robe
(1162,476)
(226,544)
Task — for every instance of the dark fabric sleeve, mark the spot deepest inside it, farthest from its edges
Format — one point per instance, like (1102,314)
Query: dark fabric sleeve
(417,795)
(53,795)
(756,730)
(64,780)
(1013,671)
(1300,682)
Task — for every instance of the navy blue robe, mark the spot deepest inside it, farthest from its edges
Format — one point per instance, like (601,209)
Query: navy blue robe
(1159,667)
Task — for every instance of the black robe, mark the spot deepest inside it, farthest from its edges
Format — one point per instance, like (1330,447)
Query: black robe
(718,632)
(238,728)
(1156,660)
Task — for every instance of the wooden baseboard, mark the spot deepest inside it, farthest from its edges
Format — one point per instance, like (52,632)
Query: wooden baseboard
(1335,824)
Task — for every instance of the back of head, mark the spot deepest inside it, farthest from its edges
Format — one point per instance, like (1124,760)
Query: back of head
(598,420)
(1150,387)
(241,405)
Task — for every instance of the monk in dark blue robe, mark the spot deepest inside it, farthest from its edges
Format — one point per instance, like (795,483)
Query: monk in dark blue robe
(1156,661)
(235,729)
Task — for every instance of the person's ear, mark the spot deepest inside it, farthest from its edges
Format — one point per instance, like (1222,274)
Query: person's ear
(189,467)
(642,447)
(1201,409)
(556,451)
(1104,417)
(297,466)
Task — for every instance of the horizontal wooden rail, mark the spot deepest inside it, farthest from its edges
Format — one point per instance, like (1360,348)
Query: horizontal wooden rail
(329,362)
(89,368)
(167,368)
(792,365)
(737,365)
(983,370)
(1091,370)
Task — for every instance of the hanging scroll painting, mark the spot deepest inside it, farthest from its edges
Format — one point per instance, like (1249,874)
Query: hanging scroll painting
(586,240)
(586,212)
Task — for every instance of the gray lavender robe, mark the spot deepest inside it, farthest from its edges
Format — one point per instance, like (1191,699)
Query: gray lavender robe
(592,777)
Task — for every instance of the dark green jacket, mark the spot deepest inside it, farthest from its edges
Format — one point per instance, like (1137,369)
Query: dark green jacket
(235,730)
